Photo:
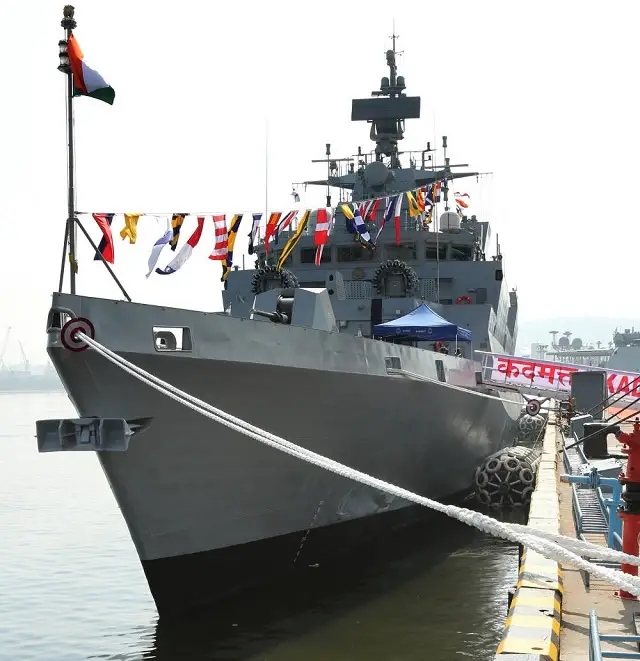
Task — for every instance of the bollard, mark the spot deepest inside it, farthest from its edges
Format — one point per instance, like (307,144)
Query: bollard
(630,510)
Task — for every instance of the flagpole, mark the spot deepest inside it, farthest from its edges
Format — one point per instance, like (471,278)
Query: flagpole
(266,168)
(64,258)
(68,23)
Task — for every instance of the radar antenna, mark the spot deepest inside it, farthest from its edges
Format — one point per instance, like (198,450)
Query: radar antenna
(388,110)
(391,56)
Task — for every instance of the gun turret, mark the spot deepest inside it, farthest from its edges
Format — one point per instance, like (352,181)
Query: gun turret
(276,317)
(284,308)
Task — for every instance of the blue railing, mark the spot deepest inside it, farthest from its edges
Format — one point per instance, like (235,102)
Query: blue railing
(596,639)
(608,505)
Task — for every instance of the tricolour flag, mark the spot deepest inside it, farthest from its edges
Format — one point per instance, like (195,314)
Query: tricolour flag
(368,210)
(158,246)
(220,248)
(293,241)
(392,211)
(185,252)
(231,241)
(87,81)
(105,248)
(433,194)
(283,223)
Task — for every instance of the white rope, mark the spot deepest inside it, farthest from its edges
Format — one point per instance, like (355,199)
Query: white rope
(578,546)
(512,532)
(582,547)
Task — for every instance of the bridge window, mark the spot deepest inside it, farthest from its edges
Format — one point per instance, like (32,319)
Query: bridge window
(313,284)
(353,253)
(405,251)
(308,255)
(462,253)
(433,250)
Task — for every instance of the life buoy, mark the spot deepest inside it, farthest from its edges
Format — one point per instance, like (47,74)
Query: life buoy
(464,299)
(395,267)
(437,346)
(260,278)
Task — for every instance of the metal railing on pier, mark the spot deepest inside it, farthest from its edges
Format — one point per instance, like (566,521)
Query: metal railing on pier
(596,653)
(593,512)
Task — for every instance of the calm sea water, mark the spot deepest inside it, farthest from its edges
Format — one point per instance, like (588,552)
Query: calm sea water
(71,586)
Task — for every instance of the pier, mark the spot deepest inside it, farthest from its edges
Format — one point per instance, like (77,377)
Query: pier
(533,623)
(563,613)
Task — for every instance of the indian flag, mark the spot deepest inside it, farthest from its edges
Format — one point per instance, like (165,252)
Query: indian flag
(87,81)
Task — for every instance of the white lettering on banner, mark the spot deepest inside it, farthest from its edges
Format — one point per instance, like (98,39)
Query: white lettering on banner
(547,375)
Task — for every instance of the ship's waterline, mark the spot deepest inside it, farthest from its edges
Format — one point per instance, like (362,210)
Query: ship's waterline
(439,586)
(211,511)
(197,491)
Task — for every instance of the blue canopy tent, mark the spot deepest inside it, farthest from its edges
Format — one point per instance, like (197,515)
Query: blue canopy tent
(423,324)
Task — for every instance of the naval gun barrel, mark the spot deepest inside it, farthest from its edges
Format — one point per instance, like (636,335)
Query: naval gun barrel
(276,317)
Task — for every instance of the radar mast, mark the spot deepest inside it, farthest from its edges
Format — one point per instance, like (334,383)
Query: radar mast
(387,110)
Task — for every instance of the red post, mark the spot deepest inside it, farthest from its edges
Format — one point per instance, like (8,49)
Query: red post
(630,511)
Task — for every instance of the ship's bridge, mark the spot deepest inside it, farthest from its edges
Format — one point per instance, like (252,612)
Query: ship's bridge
(453,274)
(444,259)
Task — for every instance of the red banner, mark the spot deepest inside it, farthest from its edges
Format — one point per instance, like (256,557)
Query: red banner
(514,371)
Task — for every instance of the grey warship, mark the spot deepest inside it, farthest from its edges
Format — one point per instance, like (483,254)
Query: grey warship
(296,352)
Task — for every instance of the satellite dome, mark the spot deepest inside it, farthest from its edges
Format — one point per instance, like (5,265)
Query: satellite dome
(450,222)
(377,174)
(563,342)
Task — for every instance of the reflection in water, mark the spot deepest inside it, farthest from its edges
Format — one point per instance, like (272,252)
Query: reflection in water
(440,590)
(72,587)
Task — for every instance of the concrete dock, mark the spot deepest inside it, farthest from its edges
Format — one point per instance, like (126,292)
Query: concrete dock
(615,615)
(549,614)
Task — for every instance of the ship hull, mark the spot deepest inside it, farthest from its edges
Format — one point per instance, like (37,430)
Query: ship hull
(212,511)
(185,583)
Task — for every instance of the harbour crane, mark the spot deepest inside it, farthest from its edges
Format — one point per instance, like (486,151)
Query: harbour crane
(5,343)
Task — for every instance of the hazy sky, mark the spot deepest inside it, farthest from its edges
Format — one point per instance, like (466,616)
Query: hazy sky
(541,94)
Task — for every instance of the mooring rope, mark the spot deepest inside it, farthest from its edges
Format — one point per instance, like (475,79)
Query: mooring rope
(555,547)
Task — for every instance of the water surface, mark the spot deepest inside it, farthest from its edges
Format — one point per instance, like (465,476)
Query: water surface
(71,586)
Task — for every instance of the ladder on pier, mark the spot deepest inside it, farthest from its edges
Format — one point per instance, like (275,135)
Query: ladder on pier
(589,515)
